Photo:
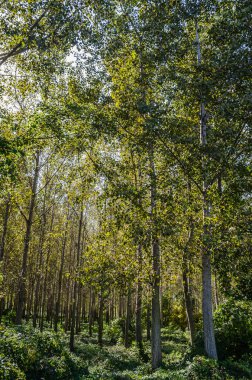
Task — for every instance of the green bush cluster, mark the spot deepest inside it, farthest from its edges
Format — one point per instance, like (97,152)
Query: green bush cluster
(233,323)
(9,370)
(114,331)
(30,354)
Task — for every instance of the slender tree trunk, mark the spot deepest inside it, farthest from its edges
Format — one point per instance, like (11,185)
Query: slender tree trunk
(2,248)
(188,297)
(44,285)
(75,294)
(208,325)
(91,312)
(186,274)
(156,321)
(5,226)
(155,304)
(127,320)
(21,296)
(78,315)
(100,319)
(139,291)
(39,266)
(66,323)
(62,261)
(148,322)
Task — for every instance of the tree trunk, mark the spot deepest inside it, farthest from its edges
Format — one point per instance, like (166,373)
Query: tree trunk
(139,291)
(156,317)
(208,325)
(91,312)
(148,323)
(186,274)
(156,323)
(100,319)
(62,261)
(75,293)
(39,266)
(5,226)
(188,298)
(21,296)
(2,249)
(127,320)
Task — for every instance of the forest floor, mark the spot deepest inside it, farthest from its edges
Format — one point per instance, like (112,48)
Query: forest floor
(26,353)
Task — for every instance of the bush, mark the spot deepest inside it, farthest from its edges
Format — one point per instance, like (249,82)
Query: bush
(17,348)
(114,332)
(233,322)
(38,355)
(10,370)
(203,368)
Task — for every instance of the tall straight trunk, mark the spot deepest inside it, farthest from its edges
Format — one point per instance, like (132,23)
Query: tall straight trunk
(40,263)
(66,322)
(156,353)
(107,314)
(91,312)
(207,311)
(155,311)
(75,293)
(62,261)
(45,269)
(120,306)
(2,247)
(5,226)
(78,315)
(21,296)
(188,296)
(148,322)
(100,319)
(127,320)
(186,273)
(139,291)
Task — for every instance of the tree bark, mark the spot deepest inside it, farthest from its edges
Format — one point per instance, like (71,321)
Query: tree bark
(100,319)
(148,323)
(156,316)
(62,261)
(2,249)
(5,226)
(139,291)
(156,322)
(188,297)
(40,263)
(21,296)
(208,325)
(127,320)
(75,293)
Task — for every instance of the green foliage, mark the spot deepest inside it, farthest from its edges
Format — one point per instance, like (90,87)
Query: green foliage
(233,321)
(10,370)
(114,331)
(39,355)
(203,368)
(29,354)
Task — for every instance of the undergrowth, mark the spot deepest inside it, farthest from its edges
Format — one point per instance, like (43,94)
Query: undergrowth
(28,354)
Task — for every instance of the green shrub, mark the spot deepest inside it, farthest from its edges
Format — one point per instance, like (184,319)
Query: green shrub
(47,343)
(38,355)
(202,368)
(114,332)
(233,323)
(10,370)
(17,347)
(241,369)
